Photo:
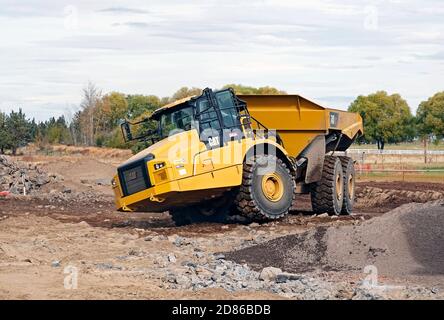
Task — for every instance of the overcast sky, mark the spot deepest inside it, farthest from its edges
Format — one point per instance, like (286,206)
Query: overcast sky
(330,51)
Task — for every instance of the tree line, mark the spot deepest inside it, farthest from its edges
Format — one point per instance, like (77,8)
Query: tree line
(387,119)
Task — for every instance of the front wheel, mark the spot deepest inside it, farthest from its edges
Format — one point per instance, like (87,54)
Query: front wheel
(267,189)
(217,210)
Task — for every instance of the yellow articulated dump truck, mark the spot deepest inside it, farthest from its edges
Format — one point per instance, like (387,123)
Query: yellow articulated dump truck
(221,154)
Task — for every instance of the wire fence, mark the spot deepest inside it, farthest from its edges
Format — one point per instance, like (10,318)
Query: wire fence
(399,165)
(395,152)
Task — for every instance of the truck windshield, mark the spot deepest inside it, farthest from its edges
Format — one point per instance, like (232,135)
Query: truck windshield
(176,121)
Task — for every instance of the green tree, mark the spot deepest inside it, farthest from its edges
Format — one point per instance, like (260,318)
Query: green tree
(387,118)
(118,107)
(185,92)
(139,104)
(5,137)
(241,89)
(430,116)
(19,129)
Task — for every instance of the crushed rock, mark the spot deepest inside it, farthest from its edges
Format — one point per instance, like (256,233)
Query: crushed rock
(406,243)
(17,176)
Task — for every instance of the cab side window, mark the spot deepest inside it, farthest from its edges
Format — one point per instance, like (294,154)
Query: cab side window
(207,116)
(228,109)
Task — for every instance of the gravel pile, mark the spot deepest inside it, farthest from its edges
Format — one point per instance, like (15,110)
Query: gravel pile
(16,177)
(234,277)
(405,243)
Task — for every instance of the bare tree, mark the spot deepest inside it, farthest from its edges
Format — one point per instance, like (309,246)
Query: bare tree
(91,99)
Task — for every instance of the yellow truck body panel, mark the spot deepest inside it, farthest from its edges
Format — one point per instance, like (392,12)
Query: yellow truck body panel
(299,120)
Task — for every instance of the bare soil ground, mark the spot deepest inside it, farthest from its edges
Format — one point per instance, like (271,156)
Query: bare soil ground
(145,256)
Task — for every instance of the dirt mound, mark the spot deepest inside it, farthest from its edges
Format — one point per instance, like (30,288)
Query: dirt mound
(408,241)
(105,154)
(16,177)
(371,197)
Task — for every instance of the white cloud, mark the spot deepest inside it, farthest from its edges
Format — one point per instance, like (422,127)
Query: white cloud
(320,49)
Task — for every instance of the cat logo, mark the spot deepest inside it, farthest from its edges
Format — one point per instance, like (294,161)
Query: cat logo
(334,119)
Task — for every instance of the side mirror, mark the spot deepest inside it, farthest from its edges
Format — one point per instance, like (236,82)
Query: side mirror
(126,131)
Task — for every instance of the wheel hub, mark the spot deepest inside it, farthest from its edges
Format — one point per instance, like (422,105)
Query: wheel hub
(272,187)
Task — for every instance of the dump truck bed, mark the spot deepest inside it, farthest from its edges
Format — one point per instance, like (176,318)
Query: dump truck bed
(299,120)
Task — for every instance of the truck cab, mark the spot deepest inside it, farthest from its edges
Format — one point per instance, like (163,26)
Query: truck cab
(199,149)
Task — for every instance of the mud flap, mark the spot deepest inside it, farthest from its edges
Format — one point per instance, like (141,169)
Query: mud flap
(315,155)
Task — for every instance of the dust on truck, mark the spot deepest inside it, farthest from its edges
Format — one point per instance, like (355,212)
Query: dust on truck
(221,153)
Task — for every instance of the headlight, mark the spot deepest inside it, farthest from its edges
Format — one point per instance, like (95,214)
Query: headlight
(114,182)
(159,166)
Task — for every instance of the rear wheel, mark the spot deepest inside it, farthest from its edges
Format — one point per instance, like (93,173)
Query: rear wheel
(267,189)
(327,195)
(348,169)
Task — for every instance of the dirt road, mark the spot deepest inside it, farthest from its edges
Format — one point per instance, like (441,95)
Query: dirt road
(70,231)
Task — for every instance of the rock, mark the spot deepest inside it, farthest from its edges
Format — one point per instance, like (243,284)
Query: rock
(135,252)
(219,256)
(324,215)
(83,224)
(269,274)
(55,264)
(285,277)
(203,272)
(183,281)
(189,264)
(199,254)
(172,258)
(179,241)
(364,294)
(42,180)
(107,266)
(102,182)
(254,225)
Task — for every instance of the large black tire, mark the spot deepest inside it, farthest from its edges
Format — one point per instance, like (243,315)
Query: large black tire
(218,210)
(267,190)
(193,214)
(184,216)
(348,169)
(328,193)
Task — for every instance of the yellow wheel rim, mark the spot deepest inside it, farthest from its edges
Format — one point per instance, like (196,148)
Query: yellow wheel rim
(339,187)
(272,187)
(351,187)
